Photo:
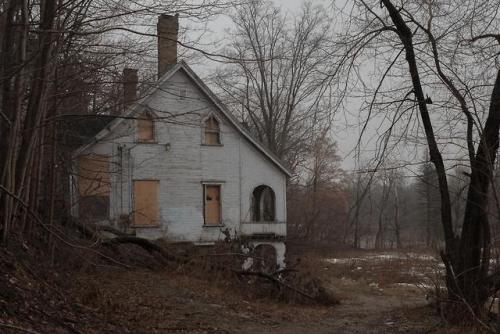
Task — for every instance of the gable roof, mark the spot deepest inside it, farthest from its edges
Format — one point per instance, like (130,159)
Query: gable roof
(213,98)
(76,130)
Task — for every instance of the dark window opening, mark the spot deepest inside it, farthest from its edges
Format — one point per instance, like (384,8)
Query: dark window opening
(93,207)
(265,258)
(263,204)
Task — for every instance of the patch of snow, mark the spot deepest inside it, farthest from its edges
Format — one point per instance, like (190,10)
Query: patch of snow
(425,286)
(387,256)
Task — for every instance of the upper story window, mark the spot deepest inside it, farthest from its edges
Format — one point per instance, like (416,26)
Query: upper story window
(212,132)
(145,128)
(182,93)
(263,204)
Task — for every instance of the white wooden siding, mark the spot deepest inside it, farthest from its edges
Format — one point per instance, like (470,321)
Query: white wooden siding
(181,164)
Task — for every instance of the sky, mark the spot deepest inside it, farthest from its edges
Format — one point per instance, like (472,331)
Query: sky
(349,122)
(344,135)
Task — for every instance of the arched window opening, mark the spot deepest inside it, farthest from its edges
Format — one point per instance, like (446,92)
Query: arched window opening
(212,131)
(263,204)
(145,128)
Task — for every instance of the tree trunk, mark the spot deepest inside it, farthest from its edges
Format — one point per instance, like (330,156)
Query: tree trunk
(397,224)
(474,251)
(467,263)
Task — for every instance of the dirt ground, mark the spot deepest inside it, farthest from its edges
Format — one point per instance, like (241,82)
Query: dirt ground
(156,302)
(144,301)
(379,292)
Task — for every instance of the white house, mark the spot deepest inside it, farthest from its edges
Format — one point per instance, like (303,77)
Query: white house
(178,165)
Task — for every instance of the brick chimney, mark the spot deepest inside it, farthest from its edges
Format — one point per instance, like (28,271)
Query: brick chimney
(168,29)
(130,81)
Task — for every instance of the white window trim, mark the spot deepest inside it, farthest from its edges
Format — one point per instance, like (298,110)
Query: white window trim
(203,122)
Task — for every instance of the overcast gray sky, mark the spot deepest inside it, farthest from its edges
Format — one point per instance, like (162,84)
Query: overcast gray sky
(344,134)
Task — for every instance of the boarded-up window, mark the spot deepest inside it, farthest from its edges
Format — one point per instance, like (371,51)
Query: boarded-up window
(212,204)
(93,175)
(93,186)
(145,128)
(212,131)
(146,202)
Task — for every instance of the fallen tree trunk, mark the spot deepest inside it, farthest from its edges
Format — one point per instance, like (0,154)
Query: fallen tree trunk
(275,281)
(90,230)
(144,243)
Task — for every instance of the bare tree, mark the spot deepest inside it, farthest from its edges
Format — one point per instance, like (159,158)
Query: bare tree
(317,202)
(449,49)
(59,57)
(280,86)
(429,204)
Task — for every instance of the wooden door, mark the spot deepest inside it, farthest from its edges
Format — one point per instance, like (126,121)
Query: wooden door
(146,202)
(212,205)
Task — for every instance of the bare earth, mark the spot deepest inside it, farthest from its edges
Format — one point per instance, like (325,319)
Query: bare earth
(142,301)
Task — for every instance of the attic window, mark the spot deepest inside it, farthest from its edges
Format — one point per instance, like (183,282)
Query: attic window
(145,128)
(212,131)
(183,93)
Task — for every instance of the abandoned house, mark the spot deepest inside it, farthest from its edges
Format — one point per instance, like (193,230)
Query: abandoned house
(178,165)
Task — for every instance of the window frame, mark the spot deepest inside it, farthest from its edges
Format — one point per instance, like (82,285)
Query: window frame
(206,130)
(182,93)
(257,204)
(153,128)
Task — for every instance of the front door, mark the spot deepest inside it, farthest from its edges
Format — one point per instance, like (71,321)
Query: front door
(212,205)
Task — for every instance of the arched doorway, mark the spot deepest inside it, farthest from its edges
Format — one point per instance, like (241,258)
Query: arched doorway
(265,258)
(263,204)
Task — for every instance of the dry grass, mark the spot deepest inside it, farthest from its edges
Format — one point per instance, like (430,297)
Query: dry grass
(383,268)
(147,301)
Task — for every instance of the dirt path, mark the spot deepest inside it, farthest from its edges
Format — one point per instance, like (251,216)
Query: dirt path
(148,302)
(368,311)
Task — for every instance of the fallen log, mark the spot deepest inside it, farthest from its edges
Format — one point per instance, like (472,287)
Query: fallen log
(276,281)
(90,230)
(112,230)
(144,243)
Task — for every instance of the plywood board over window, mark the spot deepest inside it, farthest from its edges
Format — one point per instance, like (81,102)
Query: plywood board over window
(93,183)
(212,204)
(146,206)
(93,175)
(145,128)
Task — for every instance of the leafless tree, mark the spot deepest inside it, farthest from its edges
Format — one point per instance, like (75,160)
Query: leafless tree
(281,86)
(450,51)
(317,201)
(59,57)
